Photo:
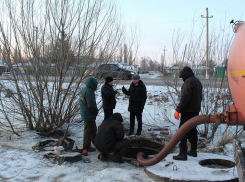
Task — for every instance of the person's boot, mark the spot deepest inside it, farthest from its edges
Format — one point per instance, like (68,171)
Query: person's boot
(182,154)
(138,133)
(102,156)
(91,149)
(130,133)
(118,155)
(193,151)
(117,159)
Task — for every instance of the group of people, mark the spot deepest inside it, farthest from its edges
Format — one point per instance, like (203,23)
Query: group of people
(110,135)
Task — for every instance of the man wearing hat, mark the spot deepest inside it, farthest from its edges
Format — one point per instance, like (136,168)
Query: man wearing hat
(108,97)
(137,99)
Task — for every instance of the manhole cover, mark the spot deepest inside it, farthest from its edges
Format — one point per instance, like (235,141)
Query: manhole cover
(217,163)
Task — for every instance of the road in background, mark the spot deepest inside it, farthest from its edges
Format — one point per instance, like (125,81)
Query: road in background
(160,81)
(155,79)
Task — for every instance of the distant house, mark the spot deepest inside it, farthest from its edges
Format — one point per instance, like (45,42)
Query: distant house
(3,67)
(200,70)
(26,68)
(20,68)
(220,70)
(173,70)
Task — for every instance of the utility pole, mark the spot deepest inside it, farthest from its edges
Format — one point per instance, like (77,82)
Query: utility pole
(207,53)
(163,60)
(35,30)
(35,44)
(183,57)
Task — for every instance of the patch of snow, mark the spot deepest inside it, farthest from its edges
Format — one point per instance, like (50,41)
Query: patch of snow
(19,162)
(192,170)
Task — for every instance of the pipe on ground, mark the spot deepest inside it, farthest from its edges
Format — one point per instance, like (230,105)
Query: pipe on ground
(231,116)
(173,142)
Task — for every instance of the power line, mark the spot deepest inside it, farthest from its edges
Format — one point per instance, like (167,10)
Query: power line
(222,8)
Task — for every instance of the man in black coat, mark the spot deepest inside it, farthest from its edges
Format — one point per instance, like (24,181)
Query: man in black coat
(110,138)
(137,99)
(189,107)
(108,97)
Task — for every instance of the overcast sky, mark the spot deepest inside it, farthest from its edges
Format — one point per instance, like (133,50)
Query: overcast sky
(158,19)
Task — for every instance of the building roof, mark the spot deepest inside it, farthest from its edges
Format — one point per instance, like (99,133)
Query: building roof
(222,65)
(174,67)
(2,63)
(199,67)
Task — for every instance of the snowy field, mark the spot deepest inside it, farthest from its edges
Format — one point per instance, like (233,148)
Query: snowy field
(19,162)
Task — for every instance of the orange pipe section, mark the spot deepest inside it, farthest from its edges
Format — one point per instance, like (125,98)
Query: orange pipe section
(231,117)
(173,142)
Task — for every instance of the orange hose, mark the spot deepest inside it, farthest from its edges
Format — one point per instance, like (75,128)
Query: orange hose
(191,123)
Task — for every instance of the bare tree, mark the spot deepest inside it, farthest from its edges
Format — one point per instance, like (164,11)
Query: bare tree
(55,42)
(129,50)
(216,93)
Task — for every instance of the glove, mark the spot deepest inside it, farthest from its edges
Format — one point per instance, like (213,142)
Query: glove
(176,115)
(123,89)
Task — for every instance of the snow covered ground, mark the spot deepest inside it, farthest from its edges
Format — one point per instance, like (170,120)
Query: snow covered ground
(19,162)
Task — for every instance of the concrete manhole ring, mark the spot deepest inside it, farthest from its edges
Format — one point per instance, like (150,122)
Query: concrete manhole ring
(222,168)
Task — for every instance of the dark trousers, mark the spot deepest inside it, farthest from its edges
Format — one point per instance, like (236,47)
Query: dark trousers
(132,121)
(192,134)
(89,134)
(119,150)
(107,113)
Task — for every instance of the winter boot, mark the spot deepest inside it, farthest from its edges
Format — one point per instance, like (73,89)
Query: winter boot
(120,150)
(138,133)
(117,159)
(130,133)
(91,149)
(193,151)
(182,154)
(102,156)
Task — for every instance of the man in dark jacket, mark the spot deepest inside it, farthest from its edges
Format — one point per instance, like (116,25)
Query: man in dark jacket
(108,97)
(189,107)
(110,138)
(137,99)
(89,111)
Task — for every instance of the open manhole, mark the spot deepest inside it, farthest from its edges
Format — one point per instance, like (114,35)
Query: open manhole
(217,163)
(145,145)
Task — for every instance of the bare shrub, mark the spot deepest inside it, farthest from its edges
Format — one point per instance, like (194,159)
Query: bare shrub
(50,46)
(216,94)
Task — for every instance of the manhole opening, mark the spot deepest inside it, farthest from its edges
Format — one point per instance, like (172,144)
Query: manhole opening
(217,163)
(145,145)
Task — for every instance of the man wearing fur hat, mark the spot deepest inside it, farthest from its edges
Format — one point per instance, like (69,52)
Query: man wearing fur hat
(137,99)
(108,97)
